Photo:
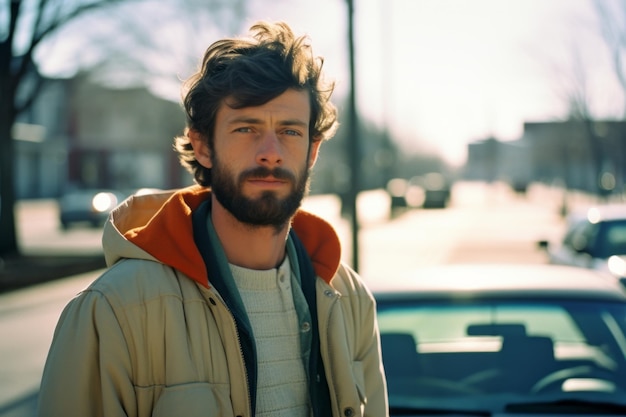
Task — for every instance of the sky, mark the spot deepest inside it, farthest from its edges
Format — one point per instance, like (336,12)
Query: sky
(442,73)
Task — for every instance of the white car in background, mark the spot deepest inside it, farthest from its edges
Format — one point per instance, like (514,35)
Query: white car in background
(87,206)
(595,238)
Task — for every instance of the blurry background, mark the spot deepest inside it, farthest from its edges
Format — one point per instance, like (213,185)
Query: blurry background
(522,91)
(503,116)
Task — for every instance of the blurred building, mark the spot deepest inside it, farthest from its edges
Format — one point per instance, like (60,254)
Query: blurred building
(583,155)
(41,144)
(79,134)
(122,138)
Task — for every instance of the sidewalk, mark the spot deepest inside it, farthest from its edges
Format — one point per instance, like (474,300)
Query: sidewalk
(27,321)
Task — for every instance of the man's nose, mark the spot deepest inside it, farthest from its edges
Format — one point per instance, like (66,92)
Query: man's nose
(270,150)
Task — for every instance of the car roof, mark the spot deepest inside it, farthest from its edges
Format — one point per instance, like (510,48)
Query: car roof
(528,281)
(601,212)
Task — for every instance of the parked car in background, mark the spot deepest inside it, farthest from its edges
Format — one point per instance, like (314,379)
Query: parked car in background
(594,238)
(431,190)
(397,189)
(499,340)
(87,206)
(435,187)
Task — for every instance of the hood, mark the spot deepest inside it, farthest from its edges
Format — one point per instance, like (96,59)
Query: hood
(158,227)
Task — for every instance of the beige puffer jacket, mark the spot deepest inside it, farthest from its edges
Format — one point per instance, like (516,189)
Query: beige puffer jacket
(152,337)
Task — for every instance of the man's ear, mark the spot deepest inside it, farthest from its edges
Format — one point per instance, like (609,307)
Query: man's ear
(314,151)
(200,145)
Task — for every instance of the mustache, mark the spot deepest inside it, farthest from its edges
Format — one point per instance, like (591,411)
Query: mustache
(264,172)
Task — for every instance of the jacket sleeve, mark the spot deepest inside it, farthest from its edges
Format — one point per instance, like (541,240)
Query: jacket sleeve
(368,348)
(363,342)
(87,371)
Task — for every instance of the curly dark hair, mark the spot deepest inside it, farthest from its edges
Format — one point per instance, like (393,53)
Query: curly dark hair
(250,72)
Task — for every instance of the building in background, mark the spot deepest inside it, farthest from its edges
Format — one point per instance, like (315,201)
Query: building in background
(79,134)
(122,138)
(589,156)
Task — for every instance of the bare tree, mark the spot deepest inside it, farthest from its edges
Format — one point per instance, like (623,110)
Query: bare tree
(135,45)
(20,83)
(612,18)
(612,22)
(579,98)
(160,41)
(574,88)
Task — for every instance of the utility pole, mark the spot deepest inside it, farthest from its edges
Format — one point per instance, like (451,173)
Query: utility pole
(353,149)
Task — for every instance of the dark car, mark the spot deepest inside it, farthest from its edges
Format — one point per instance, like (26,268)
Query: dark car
(87,206)
(435,188)
(503,340)
(594,238)
(397,189)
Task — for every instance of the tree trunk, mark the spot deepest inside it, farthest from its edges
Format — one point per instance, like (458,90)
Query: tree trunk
(8,235)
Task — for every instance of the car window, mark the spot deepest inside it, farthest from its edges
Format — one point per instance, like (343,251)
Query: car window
(583,237)
(456,351)
(433,325)
(573,230)
(615,241)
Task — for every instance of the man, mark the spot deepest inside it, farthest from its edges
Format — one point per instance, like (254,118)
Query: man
(225,299)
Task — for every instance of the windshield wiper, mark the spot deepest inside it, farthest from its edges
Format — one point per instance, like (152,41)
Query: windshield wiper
(568,406)
(403,410)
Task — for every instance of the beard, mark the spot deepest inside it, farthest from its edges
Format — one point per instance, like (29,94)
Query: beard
(266,210)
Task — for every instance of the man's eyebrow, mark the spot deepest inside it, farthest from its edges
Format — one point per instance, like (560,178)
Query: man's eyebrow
(293,122)
(254,120)
(245,119)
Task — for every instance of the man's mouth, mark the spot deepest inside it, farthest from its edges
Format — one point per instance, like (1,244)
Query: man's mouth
(267,180)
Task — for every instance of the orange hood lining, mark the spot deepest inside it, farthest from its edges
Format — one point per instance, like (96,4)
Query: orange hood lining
(174,220)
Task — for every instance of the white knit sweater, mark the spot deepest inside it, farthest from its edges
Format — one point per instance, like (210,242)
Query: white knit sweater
(282,385)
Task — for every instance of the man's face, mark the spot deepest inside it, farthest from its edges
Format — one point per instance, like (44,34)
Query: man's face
(266,209)
(261,159)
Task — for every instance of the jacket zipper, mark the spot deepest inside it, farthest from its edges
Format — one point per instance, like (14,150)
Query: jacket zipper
(243,361)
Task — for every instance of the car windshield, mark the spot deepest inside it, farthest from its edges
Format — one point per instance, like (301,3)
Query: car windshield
(488,355)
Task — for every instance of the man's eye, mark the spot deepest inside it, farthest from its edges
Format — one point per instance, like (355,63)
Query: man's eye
(292,132)
(243,130)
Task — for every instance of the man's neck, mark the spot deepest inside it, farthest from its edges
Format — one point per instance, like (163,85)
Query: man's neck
(247,246)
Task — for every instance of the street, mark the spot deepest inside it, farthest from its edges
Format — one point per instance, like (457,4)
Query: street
(485,223)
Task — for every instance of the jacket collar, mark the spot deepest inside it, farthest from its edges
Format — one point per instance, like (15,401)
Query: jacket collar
(167,234)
